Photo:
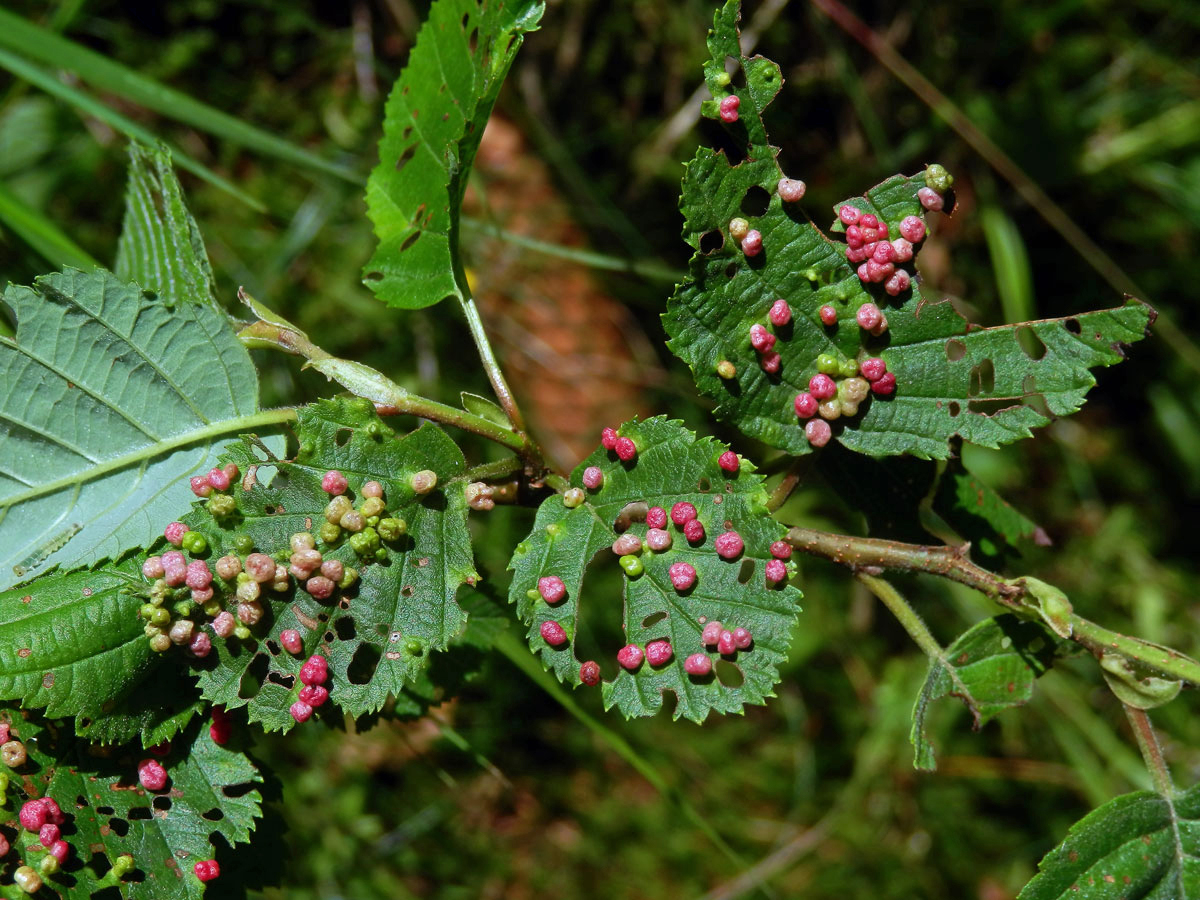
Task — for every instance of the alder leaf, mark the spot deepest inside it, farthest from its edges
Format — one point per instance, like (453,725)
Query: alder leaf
(433,123)
(992,668)
(72,642)
(211,792)
(109,401)
(1140,845)
(953,379)
(160,246)
(379,634)
(671,466)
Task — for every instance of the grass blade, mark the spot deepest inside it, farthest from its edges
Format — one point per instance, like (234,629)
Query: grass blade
(40,233)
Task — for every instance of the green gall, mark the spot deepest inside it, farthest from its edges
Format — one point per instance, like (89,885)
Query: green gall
(27,880)
(381,555)
(532,594)
(827,364)
(349,577)
(848,368)
(212,608)
(330,533)
(244,544)
(221,505)
(241,632)
(160,643)
(306,448)
(160,616)
(194,542)
(423,482)
(553,530)
(632,565)
(414,646)
(122,865)
(391,529)
(938,178)
(573,497)
(726,369)
(372,521)
(48,865)
(722,79)
(183,608)
(375,430)
(372,506)
(147,610)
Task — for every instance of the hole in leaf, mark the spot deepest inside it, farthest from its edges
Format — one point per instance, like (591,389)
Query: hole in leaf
(711,241)
(286,681)
(105,810)
(466,19)
(272,648)
(407,155)
(252,679)
(473,40)
(344,628)
(120,827)
(704,486)
(362,666)
(374,276)
(1030,343)
(406,591)
(755,202)
(342,438)
(328,636)
(745,571)
(989,407)
(1038,402)
(731,270)
(729,674)
(954,408)
(410,240)
(1073,326)
(162,803)
(653,619)
(234,791)
(955,350)
(407,131)
(213,815)
(983,379)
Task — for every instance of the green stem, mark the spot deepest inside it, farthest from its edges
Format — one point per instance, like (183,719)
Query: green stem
(871,556)
(208,433)
(501,468)
(491,365)
(1147,741)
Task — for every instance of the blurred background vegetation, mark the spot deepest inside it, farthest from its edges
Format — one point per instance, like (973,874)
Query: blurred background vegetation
(504,793)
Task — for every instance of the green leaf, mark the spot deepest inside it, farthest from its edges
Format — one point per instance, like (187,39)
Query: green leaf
(211,792)
(981,515)
(433,123)
(1140,845)
(953,379)
(992,667)
(378,635)
(156,711)
(484,408)
(72,642)
(160,246)
(109,401)
(672,465)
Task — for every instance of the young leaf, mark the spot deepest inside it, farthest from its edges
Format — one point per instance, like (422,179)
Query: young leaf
(433,123)
(981,515)
(109,401)
(951,378)
(73,643)
(671,466)
(110,815)
(992,668)
(378,634)
(1139,845)
(160,246)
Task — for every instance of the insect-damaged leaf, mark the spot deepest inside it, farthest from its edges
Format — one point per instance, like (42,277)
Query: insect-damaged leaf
(671,466)
(379,633)
(982,384)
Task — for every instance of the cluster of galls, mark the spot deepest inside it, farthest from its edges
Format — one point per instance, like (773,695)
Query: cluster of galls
(313,675)
(838,389)
(42,817)
(213,487)
(367,525)
(867,245)
(629,547)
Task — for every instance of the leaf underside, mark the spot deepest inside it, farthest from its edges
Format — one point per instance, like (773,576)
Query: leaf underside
(112,394)
(672,465)
(995,664)
(378,635)
(211,791)
(953,379)
(1139,846)
(433,123)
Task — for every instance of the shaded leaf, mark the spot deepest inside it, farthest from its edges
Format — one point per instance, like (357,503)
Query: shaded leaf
(109,402)
(379,634)
(160,246)
(672,466)
(1140,845)
(981,515)
(210,792)
(952,379)
(433,123)
(997,662)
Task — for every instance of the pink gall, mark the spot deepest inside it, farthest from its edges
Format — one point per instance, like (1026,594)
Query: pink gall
(770,362)
(897,284)
(659,653)
(152,775)
(791,190)
(608,438)
(879,272)
(593,477)
(697,664)
(175,576)
(776,571)
(854,237)
(200,486)
(682,512)
(742,638)
(553,633)
(656,517)
(729,461)
(630,656)
(291,640)
(551,588)
(729,545)
(912,229)
(589,673)
(818,432)
(229,567)
(693,531)
(729,108)
(313,694)
(711,633)
(200,645)
(260,567)
(725,644)
(806,405)
(54,814)
(319,587)
(885,386)
(781,550)
(658,539)
(301,711)
(219,480)
(60,850)
(822,387)
(752,243)
(625,448)
(761,339)
(682,575)
(903,250)
(208,869)
(174,533)
(198,575)
(868,220)
(231,471)
(334,483)
(223,624)
(32,815)
(883,253)
(868,317)
(153,569)
(333,569)
(873,368)
(829,316)
(779,313)
(849,215)
(627,544)
(930,199)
